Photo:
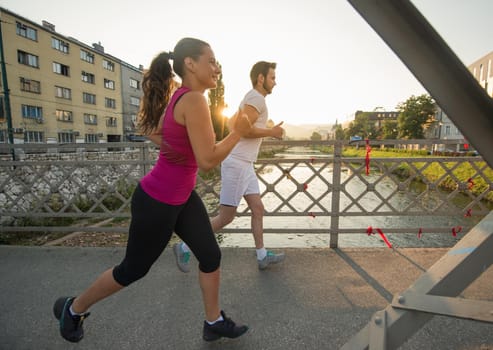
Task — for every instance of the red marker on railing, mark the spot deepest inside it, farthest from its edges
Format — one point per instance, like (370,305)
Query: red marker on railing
(367,157)
(420,232)
(456,230)
(305,186)
(468,214)
(369,231)
(384,238)
(470,183)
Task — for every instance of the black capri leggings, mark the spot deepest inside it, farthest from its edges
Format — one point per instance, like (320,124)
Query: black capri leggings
(151,227)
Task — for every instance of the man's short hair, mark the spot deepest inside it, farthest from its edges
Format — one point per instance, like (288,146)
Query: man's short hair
(261,67)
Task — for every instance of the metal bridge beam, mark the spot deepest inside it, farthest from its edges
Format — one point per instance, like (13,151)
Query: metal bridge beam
(434,64)
(447,278)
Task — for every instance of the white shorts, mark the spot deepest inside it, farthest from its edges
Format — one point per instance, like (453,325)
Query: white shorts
(238,179)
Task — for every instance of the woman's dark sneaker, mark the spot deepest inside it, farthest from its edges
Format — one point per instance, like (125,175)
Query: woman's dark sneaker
(225,328)
(70,326)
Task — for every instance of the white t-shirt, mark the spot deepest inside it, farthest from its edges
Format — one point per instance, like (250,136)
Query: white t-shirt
(247,149)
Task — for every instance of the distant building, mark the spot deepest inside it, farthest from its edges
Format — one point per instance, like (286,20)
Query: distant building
(482,70)
(378,118)
(445,129)
(131,94)
(61,90)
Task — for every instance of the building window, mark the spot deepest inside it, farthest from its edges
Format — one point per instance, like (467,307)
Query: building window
(27,59)
(64,116)
(26,31)
(59,45)
(62,92)
(134,83)
(91,138)
(33,136)
(61,69)
(447,130)
(109,102)
(88,77)
(111,121)
(134,101)
(66,137)
(3,136)
(108,65)
(90,119)
(29,85)
(109,84)
(32,112)
(87,56)
(89,98)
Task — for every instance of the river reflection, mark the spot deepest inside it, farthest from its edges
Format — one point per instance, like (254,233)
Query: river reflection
(318,177)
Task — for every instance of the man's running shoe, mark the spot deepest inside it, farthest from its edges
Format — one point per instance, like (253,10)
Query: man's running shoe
(270,258)
(182,258)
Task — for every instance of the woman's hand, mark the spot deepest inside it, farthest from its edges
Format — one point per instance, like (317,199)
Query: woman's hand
(241,123)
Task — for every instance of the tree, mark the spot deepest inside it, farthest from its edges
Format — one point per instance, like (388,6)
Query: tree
(338,132)
(216,107)
(316,136)
(417,114)
(362,126)
(389,130)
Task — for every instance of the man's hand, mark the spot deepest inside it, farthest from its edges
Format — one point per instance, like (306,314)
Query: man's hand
(278,131)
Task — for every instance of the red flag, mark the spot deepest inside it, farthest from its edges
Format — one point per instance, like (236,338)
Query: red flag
(367,157)
(384,238)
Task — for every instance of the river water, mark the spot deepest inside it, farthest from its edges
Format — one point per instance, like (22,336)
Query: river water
(317,188)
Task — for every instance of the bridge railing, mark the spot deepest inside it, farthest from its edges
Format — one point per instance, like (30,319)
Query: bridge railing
(316,189)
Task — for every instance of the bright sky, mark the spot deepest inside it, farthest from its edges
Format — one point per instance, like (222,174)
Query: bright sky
(330,61)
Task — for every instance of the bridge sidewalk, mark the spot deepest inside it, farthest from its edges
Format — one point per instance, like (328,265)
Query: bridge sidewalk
(317,299)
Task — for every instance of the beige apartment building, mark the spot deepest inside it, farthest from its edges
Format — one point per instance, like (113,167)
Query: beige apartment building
(482,70)
(60,90)
(445,129)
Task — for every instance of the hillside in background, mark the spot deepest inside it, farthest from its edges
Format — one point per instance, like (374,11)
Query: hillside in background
(304,132)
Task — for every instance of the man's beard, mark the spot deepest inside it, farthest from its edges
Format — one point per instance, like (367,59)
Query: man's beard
(269,91)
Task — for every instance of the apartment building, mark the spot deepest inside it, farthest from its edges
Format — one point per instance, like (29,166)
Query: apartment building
(445,129)
(131,78)
(482,70)
(379,117)
(57,89)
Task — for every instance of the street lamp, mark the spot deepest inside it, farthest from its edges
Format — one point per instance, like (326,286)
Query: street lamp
(6,96)
(440,124)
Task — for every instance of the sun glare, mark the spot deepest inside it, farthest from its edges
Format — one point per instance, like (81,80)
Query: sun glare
(228,111)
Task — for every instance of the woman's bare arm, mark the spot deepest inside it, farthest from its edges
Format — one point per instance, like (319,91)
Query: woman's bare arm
(192,110)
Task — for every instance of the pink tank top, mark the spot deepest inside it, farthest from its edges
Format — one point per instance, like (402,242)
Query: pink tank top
(173,178)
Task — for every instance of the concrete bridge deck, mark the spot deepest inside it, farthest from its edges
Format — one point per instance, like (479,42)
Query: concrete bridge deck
(317,299)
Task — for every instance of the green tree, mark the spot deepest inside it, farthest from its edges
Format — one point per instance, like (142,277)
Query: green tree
(216,107)
(362,126)
(338,132)
(316,136)
(416,116)
(389,130)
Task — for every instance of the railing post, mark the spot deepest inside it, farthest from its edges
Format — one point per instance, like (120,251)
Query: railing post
(336,195)
(144,154)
